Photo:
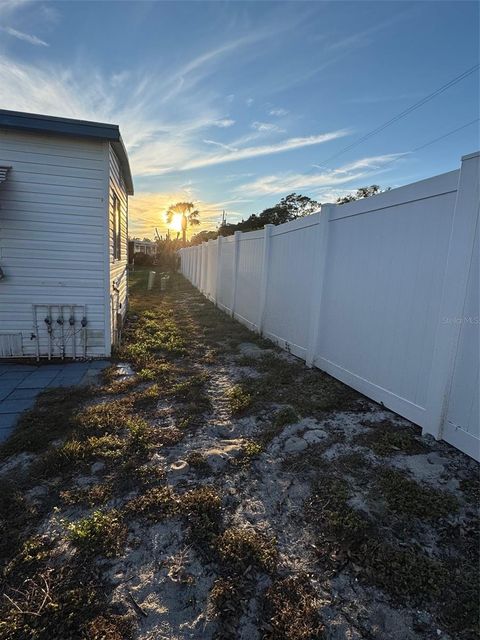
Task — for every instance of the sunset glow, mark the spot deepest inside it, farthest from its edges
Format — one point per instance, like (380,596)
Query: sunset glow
(176,223)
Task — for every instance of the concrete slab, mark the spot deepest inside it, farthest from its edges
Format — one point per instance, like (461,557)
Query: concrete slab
(15,376)
(6,390)
(21,383)
(16,406)
(22,394)
(37,380)
(7,424)
(11,367)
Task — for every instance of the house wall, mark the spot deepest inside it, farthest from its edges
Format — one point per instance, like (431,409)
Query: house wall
(52,239)
(381,293)
(117,268)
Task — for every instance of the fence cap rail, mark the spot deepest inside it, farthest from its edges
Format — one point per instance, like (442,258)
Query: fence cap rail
(431,187)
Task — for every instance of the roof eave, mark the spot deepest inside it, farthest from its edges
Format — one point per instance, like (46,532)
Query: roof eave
(122,156)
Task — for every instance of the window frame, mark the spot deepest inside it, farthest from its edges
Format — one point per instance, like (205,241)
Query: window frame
(117,228)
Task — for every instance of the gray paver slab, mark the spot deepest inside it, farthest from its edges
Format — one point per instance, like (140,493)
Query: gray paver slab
(10,368)
(20,384)
(6,390)
(15,406)
(36,381)
(99,364)
(8,420)
(22,394)
(15,376)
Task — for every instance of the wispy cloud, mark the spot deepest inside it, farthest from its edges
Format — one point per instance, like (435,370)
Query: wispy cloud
(279,112)
(267,126)
(263,150)
(221,145)
(7,7)
(26,37)
(223,123)
(275,184)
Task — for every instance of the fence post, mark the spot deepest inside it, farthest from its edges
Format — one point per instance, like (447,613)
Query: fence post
(196,265)
(319,273)
(264,278)
(199,267)
(236,254)
(204,267)
(219,269)
(454,292)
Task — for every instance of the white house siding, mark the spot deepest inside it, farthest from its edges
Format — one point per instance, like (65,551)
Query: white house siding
(52,235)
(118,290)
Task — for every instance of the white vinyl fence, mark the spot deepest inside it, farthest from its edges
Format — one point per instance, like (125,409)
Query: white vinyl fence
(382,293)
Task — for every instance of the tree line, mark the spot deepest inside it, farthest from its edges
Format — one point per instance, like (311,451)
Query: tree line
(289,208)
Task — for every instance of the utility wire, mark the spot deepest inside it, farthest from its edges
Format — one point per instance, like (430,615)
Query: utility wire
(404,113)
(427,144)
(445,135)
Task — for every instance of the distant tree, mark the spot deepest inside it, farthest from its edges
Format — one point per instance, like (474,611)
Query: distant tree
(362,192)
(289,208)
(203,236)
(188,216)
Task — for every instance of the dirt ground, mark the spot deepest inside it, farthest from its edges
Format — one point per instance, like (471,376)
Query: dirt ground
(214,487)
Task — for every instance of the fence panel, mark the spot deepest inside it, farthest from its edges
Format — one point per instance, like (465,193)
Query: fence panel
(211,269)
(463,421)
(249,276)
(382,292)
(226,269)
(289,286)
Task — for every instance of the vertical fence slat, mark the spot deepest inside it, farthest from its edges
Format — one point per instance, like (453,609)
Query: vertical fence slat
(454,293)
(236,256)
(267,241)
(319,275)
(218,281)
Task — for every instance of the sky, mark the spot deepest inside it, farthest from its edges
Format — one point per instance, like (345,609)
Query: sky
(233,105)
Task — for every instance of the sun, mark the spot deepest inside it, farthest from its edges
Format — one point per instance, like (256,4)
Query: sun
(176,223)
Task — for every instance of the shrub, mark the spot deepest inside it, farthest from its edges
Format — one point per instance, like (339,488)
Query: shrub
(141,259)
(100,533)
(243,548)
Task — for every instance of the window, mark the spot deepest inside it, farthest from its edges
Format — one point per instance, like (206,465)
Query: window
(116,229)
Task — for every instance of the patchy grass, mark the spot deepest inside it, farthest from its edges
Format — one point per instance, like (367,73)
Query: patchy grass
(202,510)
(61,601)
(291,610)
(386,439)
(197,460)
(225,605)
(308,392)
(91,496)
(285,416)
(101,533)
(239,399)
(241,549)
(17,519)
(280,420)
(250,450)
(407,497)
(155,504)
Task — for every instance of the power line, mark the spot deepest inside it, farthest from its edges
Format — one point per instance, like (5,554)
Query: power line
(445,135)
(404,113)
(427,144)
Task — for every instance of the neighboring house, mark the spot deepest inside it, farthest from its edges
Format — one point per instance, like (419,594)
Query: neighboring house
(144,246)
(64,187)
